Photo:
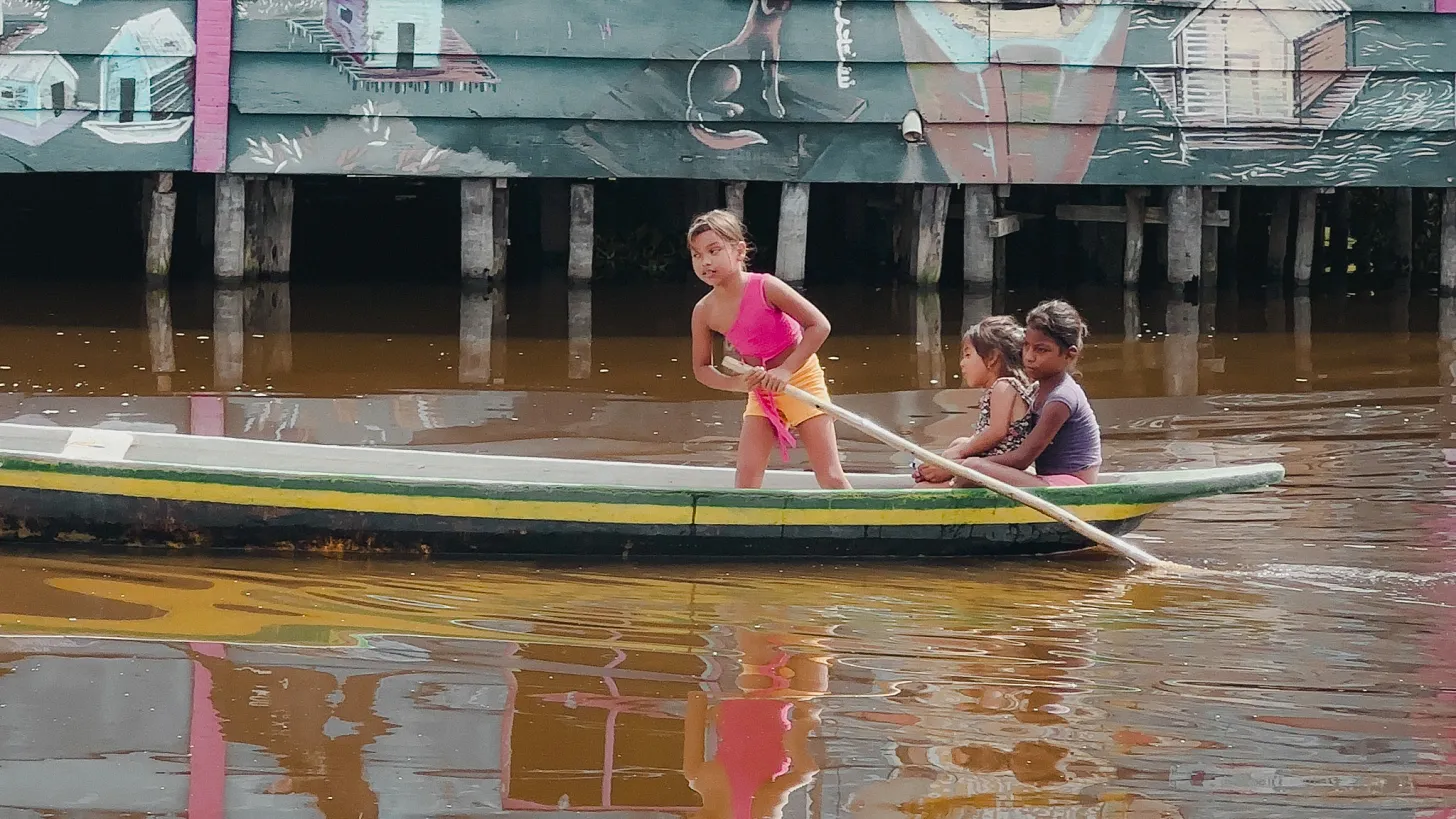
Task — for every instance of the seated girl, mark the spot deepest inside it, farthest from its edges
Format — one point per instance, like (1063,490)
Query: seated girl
(1065,444)
(990,361)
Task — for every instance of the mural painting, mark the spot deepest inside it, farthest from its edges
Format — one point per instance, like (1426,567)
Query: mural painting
(1225,91)
(121,70)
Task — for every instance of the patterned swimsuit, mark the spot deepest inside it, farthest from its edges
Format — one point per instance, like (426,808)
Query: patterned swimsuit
(1018,430)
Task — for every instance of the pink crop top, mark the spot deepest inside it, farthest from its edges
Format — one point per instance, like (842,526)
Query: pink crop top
(762,330)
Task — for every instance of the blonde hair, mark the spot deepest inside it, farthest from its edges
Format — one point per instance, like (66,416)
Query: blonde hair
(1001,335)
(725,223)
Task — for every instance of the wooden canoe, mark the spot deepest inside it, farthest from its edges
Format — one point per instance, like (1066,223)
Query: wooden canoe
(108,487)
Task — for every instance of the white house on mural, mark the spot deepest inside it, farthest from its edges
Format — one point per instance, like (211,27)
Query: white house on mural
(36,86)
(1237,65)
(146,81)
(400,34)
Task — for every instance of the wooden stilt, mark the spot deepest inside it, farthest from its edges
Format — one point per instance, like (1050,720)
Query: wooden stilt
(979,245)
(1448,241)
(1340,232)
(902,228)
(930,233)
(733,193)
(1404,230)
(1208,251)
(228,226)
(555,218)
(579,331)
(268,248)
(1185,233)
(161,224)
(1230,247)
(700,196)
(1132,316)
(477,229)
(204,205)
(583,227)
(793,231)
(501,226)
(1279,235)
(1304,237)
(1132,255)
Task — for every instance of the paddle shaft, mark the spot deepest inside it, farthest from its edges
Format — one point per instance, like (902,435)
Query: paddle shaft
(1017,494)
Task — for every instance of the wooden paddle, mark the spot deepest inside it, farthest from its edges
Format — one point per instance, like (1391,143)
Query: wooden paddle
(1017,494)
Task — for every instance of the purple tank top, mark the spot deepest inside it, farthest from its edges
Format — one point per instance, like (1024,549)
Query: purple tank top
(1078,444)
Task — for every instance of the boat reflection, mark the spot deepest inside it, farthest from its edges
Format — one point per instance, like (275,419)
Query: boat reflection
(303,696)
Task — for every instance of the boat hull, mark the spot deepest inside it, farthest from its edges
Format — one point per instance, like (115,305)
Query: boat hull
(178,491)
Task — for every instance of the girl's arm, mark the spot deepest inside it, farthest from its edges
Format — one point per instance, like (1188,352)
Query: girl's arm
(815,325)
(1053,415)
(1003,400)
(703,368)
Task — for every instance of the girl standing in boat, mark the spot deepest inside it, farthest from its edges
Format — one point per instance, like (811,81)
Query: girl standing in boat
(776,330)
(1065,444)
(990,361)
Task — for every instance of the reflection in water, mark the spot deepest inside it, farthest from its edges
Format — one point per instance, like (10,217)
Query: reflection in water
(929,352)
(159,333)
(976,304)
(227,337)
(579,331)
(1180,349)
(1068,688)
(429,689)
(477,333)
(269,319)
(1303,342)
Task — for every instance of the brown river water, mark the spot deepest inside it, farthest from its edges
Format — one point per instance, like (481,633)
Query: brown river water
(1313,675)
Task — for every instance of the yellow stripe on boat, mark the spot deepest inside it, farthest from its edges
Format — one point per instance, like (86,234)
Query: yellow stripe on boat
(949,516)
(334,500)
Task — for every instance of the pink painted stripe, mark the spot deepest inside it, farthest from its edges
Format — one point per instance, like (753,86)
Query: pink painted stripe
(212,89)
(207,749)
(208,414)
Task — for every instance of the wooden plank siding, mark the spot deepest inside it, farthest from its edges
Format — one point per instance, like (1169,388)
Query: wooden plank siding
(1265,92)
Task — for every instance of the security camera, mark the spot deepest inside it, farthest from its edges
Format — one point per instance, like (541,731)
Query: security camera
(912,127)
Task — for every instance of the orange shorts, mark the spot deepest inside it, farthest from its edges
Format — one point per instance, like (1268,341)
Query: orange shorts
(810,379)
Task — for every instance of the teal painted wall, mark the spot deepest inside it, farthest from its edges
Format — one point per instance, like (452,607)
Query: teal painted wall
(1229,91)
(55,114)
(1224,92)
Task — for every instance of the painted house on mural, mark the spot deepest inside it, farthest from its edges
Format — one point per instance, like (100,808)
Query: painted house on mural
(399,34)
(37,96)
(36,86)
(146,81)
(1239,66)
